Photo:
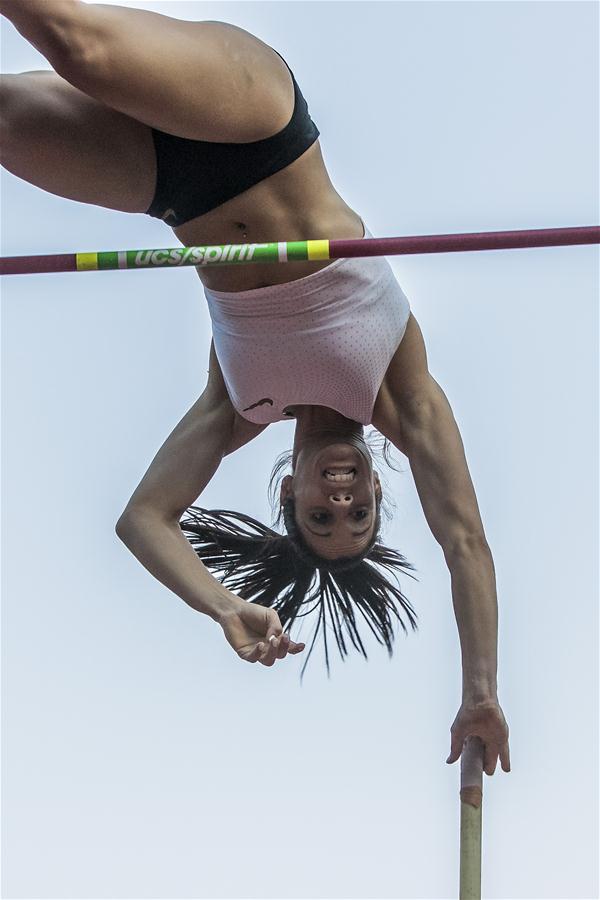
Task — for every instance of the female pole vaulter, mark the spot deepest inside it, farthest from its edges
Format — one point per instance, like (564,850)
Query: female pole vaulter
(202,125)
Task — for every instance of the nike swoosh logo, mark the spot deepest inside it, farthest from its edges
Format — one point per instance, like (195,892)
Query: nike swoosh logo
(260,403)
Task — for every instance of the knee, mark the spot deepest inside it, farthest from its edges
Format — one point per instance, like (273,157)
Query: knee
(74,55)
(63,34)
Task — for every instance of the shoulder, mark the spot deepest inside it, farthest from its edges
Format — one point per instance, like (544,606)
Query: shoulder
(405,384)
(408,369)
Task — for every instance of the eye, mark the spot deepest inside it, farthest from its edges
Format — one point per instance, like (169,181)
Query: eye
(319,518)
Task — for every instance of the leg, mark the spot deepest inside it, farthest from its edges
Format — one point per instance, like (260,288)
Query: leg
(200,80)
(59,139)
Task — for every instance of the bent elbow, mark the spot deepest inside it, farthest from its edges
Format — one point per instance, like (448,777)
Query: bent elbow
(124,526)
(466,545)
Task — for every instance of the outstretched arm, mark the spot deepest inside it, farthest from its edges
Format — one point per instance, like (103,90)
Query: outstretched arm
(429,436)
(435,450)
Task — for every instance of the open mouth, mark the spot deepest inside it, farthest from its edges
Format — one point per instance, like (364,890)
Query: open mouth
(341,474)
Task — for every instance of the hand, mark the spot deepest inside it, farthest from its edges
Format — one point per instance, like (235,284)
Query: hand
(485,719)
(256,634)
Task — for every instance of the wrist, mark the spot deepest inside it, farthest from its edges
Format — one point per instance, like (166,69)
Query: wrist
(223,604)
(480,695)
(476,690)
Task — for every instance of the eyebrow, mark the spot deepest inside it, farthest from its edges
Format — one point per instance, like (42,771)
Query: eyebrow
(329,533)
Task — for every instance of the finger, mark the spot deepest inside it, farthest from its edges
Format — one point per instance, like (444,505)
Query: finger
(274,629)
(505,758)
(269,652)
(491,761)
(255,654)
(455,748)
(275,644)
(284,643)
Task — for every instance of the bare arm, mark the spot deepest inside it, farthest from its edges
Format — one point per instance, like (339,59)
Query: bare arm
(178,474)
(149,526)
(431,440)
(150,529)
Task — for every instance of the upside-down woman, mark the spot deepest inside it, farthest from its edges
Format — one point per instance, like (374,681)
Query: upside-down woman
(203,125)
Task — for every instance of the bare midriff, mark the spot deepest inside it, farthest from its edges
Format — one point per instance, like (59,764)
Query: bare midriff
(297,203)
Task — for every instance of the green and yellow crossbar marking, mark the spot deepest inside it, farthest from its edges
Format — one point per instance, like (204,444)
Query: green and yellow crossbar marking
(219,254)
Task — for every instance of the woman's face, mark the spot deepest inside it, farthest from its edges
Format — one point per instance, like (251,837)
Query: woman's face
(336,518)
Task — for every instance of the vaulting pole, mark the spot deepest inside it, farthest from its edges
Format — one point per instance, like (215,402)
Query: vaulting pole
(293,251)
(471,796)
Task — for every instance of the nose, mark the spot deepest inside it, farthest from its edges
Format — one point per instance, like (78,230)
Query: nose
(342,497)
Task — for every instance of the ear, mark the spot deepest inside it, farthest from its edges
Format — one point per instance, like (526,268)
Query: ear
(378,489)
(286,488)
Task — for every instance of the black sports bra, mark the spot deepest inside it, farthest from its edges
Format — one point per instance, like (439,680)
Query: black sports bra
(194,177)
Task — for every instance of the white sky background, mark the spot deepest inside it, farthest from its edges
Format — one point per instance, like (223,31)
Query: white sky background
(141,757)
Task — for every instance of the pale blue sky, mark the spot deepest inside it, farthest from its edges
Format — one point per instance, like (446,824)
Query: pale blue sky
(141,757)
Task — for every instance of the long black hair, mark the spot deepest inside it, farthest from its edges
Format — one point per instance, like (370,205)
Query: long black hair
(277,570)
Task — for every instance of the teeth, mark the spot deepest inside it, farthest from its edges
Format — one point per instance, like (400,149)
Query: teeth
(339,476)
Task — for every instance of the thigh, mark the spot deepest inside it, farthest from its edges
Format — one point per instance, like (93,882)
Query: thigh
(59,139)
